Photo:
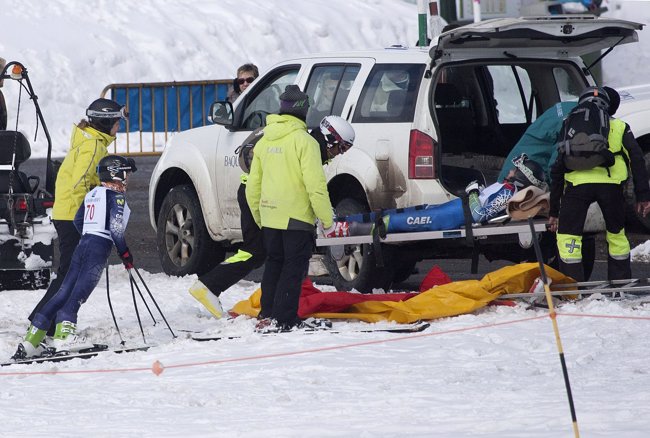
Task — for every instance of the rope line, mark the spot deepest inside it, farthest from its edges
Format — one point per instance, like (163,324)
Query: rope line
(321,349)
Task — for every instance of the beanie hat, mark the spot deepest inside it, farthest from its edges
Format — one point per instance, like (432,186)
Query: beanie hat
(294,102)
(614,100)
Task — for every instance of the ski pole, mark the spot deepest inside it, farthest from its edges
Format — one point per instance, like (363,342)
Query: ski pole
(556,330)
(135,306)
(154,300)
(142,297)
(110,306)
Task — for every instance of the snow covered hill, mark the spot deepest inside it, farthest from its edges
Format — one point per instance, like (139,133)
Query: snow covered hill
(73,49)
(492,374)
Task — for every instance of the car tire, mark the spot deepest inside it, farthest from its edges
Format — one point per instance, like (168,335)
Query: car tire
(357,269)
(184,245)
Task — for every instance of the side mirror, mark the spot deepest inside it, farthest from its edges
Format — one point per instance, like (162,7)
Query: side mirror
(221,113)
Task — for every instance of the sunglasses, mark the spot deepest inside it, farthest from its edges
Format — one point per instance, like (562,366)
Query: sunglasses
(248,80)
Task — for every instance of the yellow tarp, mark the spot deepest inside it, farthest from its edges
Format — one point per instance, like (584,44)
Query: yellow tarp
(450,299)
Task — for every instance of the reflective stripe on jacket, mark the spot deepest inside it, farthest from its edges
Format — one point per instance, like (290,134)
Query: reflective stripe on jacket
(599,174)
(78,172)
(287,188)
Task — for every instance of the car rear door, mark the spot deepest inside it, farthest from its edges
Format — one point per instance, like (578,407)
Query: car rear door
(552,36)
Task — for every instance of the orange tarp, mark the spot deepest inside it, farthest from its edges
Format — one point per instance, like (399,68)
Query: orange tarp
(441,301)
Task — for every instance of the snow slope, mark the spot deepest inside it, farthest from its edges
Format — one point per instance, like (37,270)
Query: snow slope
(493,374)
(73,49)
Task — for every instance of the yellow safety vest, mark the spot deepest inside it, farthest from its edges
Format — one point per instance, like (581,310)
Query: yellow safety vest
(615,174)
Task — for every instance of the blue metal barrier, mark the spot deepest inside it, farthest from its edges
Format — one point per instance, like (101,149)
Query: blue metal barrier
(161,108)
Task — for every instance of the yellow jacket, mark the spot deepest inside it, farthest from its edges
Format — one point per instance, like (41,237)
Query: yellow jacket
(615,174)
(78,172)
(287,188)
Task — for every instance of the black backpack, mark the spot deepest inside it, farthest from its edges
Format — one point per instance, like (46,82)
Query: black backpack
(583,138)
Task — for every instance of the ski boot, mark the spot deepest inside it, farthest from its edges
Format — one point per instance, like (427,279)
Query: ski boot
(32,346)
(67,341)
(209,300)
(314,324)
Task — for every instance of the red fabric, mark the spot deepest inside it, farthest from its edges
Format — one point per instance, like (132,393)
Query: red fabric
(435,277)
(313,300)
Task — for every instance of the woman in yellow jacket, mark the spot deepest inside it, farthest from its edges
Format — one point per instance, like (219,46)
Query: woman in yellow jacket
(76,177)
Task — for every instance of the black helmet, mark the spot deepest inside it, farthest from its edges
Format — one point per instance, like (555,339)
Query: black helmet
(528,173)
(103,113)
(597,95)
(115,168)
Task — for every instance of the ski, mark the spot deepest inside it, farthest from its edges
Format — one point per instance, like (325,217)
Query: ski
(634,290)
(403,328)
(86,353)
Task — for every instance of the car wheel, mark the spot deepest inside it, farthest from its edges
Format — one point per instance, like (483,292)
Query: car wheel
(184,245)
(355,266)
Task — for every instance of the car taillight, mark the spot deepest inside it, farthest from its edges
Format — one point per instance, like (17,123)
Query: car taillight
(48,204)
(21,205)
(421,164)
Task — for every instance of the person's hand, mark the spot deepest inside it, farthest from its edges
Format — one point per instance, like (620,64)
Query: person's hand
(643,208)
(552,224)
(127,259)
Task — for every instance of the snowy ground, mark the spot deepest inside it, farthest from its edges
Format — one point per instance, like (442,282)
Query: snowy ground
(493,374)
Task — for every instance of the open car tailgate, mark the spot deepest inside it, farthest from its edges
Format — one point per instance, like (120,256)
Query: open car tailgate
(574,35)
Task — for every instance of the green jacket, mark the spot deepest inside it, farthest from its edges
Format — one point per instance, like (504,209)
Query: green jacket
(286,188)
(78,172)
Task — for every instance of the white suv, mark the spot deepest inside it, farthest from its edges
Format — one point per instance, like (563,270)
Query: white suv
(428,121)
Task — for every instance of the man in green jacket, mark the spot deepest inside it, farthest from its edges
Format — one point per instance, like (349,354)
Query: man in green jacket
(287,192)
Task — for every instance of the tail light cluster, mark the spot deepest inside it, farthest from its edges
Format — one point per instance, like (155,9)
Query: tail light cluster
(21,205)
(421,156)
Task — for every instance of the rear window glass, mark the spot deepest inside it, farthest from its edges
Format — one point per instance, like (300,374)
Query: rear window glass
(389,94)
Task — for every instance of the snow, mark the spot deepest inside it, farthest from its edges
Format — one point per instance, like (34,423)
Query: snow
(495,373)
(492,374)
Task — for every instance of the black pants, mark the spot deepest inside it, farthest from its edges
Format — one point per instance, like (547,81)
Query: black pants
(286,267)
(250,256)
(573,212)
(68,240)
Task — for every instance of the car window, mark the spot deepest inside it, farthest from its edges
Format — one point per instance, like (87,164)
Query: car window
(568,85)
(328,87)
(265,97)
(511,105)
(389,94)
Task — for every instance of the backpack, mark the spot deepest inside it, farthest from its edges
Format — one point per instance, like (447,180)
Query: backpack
(245,150)
(583,138)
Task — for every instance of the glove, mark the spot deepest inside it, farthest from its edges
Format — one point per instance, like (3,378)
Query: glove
(337,229)
(127,259)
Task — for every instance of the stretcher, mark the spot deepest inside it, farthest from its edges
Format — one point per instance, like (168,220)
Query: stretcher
(477,232)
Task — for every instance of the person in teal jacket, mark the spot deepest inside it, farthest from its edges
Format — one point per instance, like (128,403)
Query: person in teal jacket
(287,192)
(539,140)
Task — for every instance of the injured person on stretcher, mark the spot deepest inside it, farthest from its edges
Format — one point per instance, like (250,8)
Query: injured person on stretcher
(485,204)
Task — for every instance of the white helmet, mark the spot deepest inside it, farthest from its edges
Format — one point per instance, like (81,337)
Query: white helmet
(337,132)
